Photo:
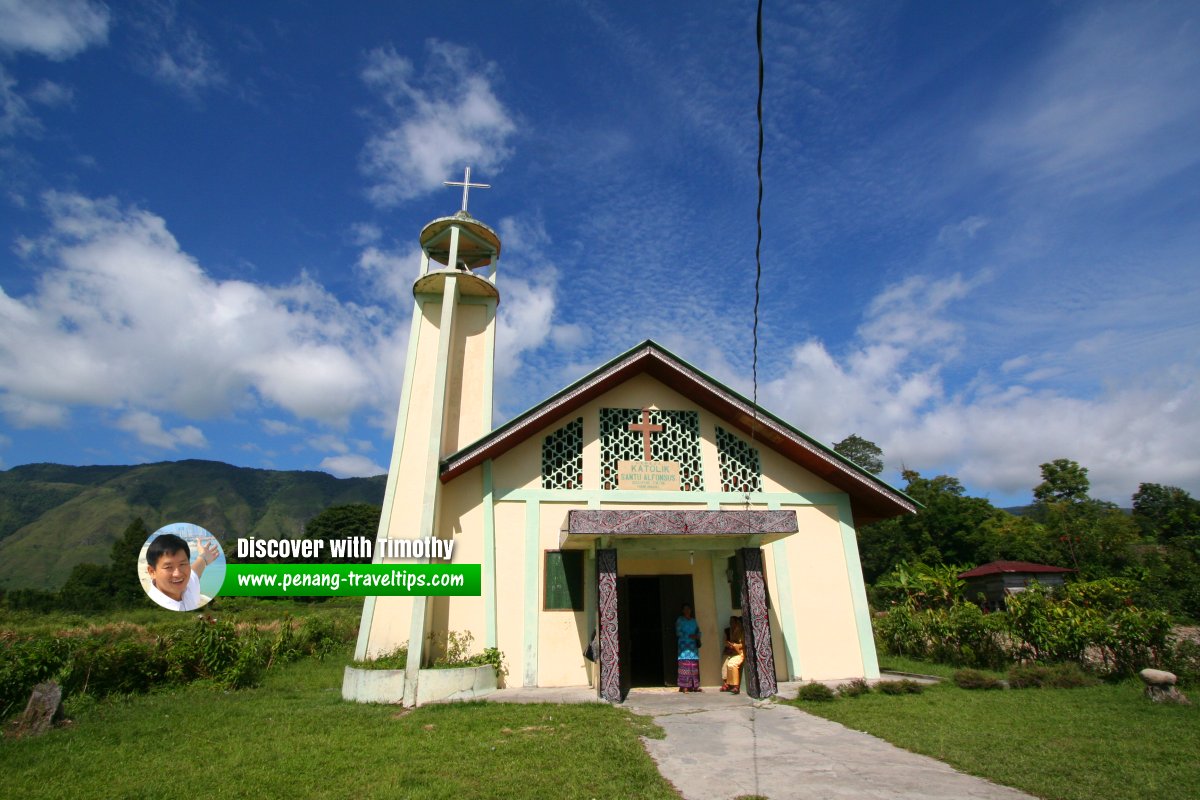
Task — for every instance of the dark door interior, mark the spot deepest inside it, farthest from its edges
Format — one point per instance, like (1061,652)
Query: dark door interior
(652,604)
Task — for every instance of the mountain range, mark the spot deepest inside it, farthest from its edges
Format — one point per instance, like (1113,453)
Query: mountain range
(53,517)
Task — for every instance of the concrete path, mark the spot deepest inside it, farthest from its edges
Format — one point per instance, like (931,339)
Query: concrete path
(724,746)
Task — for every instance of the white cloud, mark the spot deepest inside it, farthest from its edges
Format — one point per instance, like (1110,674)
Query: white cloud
(172,51)
(351,466)
(390,273)
(148,428)
(122,318)
(277,427)
(51,94)
(328,442)
(1111,105)
(365,233)
(963,231)
(436,124)
(187,64)
(15,116)
(56,29)
(888,387)
(528,298)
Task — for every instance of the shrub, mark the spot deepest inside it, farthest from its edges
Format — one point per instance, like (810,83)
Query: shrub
(396,659)
(815,693)
(961,634)
(1136,639)
(1047,630)
(855,688)
(102,667)
(456,654)
(902,632)
(248,667)
(905,686)
(974,679)
(1056,676)
(1183,660)
(24,664)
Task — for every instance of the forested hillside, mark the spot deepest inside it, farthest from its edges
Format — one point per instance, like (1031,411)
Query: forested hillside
(53,517)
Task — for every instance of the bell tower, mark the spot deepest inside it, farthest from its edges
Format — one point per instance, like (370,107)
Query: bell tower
(446,403)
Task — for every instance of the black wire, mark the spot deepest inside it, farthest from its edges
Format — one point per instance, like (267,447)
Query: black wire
(758,241)
(758,214)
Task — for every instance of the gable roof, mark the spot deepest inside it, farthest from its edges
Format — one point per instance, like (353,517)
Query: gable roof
(997,567)
(871,498)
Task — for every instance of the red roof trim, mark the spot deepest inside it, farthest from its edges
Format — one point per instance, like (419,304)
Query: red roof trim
(871,498)
(997,567)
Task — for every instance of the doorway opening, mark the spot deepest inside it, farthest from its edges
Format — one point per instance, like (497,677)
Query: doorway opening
(653,603)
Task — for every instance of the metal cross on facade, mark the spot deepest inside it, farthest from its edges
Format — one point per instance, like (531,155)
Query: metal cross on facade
(467,186)
(645,429)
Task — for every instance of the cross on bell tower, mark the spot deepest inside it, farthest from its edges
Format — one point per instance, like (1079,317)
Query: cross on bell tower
(467,186)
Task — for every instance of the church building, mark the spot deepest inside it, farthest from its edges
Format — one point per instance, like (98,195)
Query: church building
(644,485)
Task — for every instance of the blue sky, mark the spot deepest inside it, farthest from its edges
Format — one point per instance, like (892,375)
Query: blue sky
(980,221)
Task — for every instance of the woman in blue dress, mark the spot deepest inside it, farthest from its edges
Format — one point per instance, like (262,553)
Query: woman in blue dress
(687,636)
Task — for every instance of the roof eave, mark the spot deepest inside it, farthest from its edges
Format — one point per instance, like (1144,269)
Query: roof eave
(872,498)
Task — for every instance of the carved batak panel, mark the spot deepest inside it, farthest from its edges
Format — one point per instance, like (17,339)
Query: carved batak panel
(657,522)
(756,623)
(562,457)
(741,469)
(679,441)
(610,652)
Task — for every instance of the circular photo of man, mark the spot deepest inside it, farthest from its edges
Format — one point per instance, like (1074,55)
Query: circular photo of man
(181,566)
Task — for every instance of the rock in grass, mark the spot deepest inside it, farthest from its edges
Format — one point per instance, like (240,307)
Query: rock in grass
(1158,677)
(1160,687)
(44,709)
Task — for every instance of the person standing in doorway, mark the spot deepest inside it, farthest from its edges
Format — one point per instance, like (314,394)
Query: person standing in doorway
(687,636)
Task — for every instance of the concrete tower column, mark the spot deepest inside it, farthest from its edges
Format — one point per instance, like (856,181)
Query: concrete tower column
(445,404)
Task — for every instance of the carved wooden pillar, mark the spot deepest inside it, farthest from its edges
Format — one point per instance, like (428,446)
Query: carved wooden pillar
(756,623)
(610,652)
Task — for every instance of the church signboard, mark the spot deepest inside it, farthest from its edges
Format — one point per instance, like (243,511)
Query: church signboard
(658,476)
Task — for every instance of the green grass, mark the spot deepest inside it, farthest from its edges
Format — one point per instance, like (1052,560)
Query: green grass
(1102,741)
(295,737)
(905,664)
(341,610)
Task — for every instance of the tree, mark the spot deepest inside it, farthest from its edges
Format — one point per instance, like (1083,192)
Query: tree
(124,577)
(1063,480)
(1166,513)
(349,521)
(1095,536)
(1008,537)
(948,530)
(88,588)
(861,451)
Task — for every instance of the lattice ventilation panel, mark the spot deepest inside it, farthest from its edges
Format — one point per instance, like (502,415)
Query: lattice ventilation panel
(562,457)
(741,470)
(679,441)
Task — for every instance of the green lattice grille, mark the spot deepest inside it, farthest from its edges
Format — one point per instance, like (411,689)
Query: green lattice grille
(562,457)
(741,470)
(679,441)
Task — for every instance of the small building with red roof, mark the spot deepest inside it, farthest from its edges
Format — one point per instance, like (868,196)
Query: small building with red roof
(995,581)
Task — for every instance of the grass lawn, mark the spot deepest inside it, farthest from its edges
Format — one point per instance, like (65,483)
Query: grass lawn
(295,737)
(905,664)
(1104,741)
(344,611)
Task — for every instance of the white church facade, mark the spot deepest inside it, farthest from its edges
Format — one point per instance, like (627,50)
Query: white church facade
(643,485)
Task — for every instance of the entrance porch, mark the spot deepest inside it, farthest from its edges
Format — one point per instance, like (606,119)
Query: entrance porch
(637,604)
